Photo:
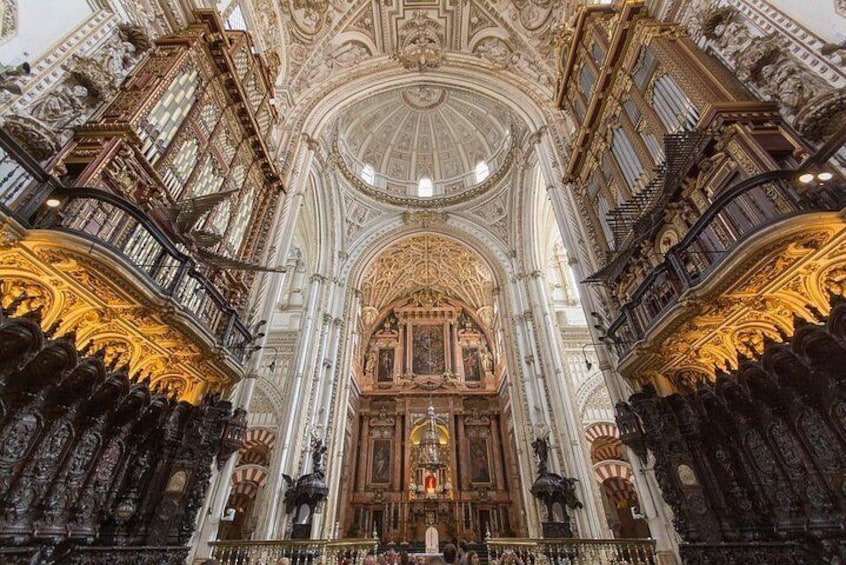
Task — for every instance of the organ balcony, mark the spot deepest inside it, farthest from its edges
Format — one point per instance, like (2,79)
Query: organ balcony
(116,280)
(731,280)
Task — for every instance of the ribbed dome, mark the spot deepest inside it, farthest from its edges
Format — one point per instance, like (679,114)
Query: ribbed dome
(429,131)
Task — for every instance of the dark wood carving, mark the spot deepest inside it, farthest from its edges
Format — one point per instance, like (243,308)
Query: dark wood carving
(92,459)
(754,465)
(552,489)
(307,492)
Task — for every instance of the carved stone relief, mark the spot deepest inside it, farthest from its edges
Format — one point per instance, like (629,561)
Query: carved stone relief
(421,43)
(765,63)
(357,216)
(49,120)
(494,50)
(427,261)
(8,20)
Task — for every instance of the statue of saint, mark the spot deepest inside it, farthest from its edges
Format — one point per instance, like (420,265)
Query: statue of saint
(541,447)
(430,483)
(318,451)
(370,363)
(487,360)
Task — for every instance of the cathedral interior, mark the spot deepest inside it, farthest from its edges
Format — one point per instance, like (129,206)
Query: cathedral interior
(318,279)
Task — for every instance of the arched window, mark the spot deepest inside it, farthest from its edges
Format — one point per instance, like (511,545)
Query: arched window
(425,188)
(240,222)
(482,171)
(368,175)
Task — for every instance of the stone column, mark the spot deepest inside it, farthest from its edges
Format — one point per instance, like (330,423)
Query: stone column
(285,451)
(564,416)
(659,516)
(523,398)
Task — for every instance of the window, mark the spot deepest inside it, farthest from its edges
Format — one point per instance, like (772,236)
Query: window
(425,188)
(656,151)
(603,209)
(607,171)
(368,175)
(645,67)
(159,127)
(632,111)
(592,188)
(578,108)
(482,171)
(240,222)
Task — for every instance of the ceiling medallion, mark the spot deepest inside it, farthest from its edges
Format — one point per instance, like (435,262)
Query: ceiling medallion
(424,97)
(421,44)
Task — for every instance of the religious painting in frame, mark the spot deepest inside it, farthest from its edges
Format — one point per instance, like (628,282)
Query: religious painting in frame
(428,353)
(472,361)
(380,466)
(385,368)
(480,471)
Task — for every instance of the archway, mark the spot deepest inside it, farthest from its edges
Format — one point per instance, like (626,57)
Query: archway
(428,446)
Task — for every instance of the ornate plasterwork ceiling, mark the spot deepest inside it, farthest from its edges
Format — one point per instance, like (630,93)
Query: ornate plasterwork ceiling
(423,130)
(392,139)
(315,39)
(427,262)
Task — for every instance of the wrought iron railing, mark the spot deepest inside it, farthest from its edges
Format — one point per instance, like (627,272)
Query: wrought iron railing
(305,552)
(738,213)
(123,228)
(508,551)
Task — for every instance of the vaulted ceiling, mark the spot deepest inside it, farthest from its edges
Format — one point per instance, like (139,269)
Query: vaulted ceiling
(424,130)
(427,262)
(414,88)
(311,40)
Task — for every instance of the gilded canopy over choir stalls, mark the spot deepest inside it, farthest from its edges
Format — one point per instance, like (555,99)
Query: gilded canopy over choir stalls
(428,341)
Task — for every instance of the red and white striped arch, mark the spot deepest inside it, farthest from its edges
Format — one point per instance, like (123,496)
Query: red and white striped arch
(616,478)
(600,430)
(243,491)
(603,450)
(620,490)
(253,474)
(258,436)
(612,469)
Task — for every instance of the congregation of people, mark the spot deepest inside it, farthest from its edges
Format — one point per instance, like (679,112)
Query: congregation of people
(453,554)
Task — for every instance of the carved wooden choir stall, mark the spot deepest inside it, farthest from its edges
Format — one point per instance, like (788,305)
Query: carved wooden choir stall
(753,465)
(95,466)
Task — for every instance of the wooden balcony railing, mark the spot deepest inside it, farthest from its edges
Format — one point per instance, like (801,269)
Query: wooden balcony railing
(508,551)
(126,230)
(305,552)
(738,213)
